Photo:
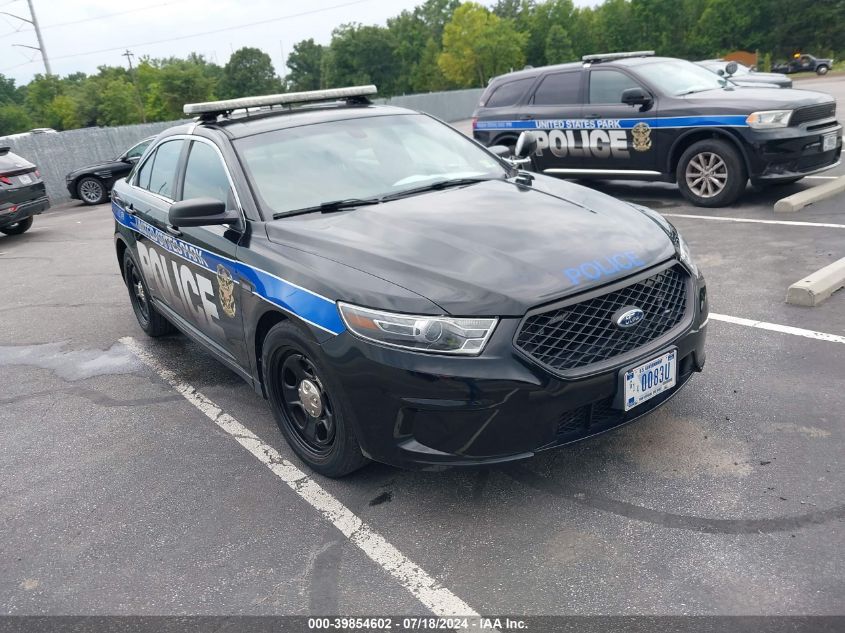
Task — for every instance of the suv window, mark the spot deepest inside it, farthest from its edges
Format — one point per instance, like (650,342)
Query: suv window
(509,93)
(559,88)
(607,86)
(159,171)
(205,175)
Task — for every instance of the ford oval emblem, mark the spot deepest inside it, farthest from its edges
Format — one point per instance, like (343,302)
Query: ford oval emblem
(628,317)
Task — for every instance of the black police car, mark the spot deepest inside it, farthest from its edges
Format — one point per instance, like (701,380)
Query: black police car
(399,292)
(92,183)
(22,193)
(636,116)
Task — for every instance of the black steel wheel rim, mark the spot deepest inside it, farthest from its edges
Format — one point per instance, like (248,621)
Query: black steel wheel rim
(308,408)
(139,292)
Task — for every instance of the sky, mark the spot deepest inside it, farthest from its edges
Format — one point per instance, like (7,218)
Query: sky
(81,35)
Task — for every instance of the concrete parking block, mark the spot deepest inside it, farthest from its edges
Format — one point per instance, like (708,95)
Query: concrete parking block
(817,287)
(798,201)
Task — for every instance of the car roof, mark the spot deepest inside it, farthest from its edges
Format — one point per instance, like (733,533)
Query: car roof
(240,125)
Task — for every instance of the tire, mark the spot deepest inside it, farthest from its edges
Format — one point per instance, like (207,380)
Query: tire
(724,175)
(320,432)
(150,319)
(18,227)
(91,190)
(822,70)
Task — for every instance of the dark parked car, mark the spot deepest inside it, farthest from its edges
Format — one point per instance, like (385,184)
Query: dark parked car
(399,292)
(93,183)
(742,75)
(804,64)
(636,116)
(22,193)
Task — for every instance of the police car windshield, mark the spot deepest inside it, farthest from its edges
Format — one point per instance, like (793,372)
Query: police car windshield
(301,168)
(677,77)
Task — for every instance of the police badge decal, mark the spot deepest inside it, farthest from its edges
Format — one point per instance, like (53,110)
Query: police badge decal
(226,291)
(641,134)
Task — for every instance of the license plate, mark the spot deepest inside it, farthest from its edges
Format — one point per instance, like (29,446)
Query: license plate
(828,142)
(25,180)
(650,379)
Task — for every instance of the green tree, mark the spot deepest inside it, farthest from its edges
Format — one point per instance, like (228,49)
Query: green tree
(63,114)
(118,104)
(478,45)
(14,119)
(248,72)
(558,46)
(8,92)
(39,97)
(304,63)
(361,55)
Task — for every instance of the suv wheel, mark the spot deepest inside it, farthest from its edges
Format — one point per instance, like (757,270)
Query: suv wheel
(711,173)
(91,190)
(308,405)
(18,227)
(150,319)
(822,70)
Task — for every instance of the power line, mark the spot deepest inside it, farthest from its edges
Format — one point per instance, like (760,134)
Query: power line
(199,34)
(34,23)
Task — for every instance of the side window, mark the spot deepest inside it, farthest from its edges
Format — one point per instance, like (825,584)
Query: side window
(205,175)
(162,169)
(509,93)
(559,89)
(607,86)
(138,150)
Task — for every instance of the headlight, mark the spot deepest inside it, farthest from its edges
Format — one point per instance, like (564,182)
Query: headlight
(685,255)
(769,119)
(436,334)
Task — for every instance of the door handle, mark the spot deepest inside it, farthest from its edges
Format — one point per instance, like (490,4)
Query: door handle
(173,230)
(525,117)
(130,209)
(592,115)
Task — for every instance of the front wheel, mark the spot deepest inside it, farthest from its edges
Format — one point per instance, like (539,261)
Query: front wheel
(308,405)
(822,70)
(18,227)
(91,190)
(711,173)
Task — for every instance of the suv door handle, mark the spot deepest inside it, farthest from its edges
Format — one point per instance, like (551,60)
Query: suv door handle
(130,208)
(173,230)
(525,117)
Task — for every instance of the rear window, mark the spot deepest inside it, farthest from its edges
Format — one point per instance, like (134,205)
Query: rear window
(509,93)
(10,162)
(559,88)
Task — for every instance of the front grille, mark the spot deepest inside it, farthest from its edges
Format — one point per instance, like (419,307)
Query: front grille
(581,334)
(812,113)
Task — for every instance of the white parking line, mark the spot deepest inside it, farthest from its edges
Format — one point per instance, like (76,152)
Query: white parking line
(432,594)
(784,329)
(752,221)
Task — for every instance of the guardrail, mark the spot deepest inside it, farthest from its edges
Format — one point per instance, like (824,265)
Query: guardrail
(58,154)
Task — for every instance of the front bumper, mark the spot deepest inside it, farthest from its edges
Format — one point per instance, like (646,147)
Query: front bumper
(14,213)
(793,152)
(425,411)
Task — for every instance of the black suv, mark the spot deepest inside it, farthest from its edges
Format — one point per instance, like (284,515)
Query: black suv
(22,193)
(399,292)
(92,183)
(636,116)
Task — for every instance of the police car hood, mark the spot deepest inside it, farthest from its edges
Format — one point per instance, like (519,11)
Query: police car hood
(746,99)
(492,248)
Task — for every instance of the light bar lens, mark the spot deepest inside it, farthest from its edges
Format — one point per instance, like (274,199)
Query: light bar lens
(432,334)
(280,99)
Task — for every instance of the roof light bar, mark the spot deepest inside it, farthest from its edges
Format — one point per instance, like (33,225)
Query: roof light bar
(310,96)
(606,57)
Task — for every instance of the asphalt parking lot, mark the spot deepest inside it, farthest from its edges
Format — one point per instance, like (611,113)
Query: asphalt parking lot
(121,496)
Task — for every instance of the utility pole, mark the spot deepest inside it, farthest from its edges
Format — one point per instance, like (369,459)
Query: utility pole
(129,55)
(34,23)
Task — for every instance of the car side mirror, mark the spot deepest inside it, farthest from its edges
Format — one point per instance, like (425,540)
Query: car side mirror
(526,145)
(201,212)
(502,151)
(731,68)
(635,96)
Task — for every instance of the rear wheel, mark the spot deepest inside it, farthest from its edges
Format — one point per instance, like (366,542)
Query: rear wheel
(150,319)
(711,173)
(18,227)
(308,405)
(91,190)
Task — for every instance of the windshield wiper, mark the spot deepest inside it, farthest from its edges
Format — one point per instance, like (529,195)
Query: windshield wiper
(438,185)
(330,206)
